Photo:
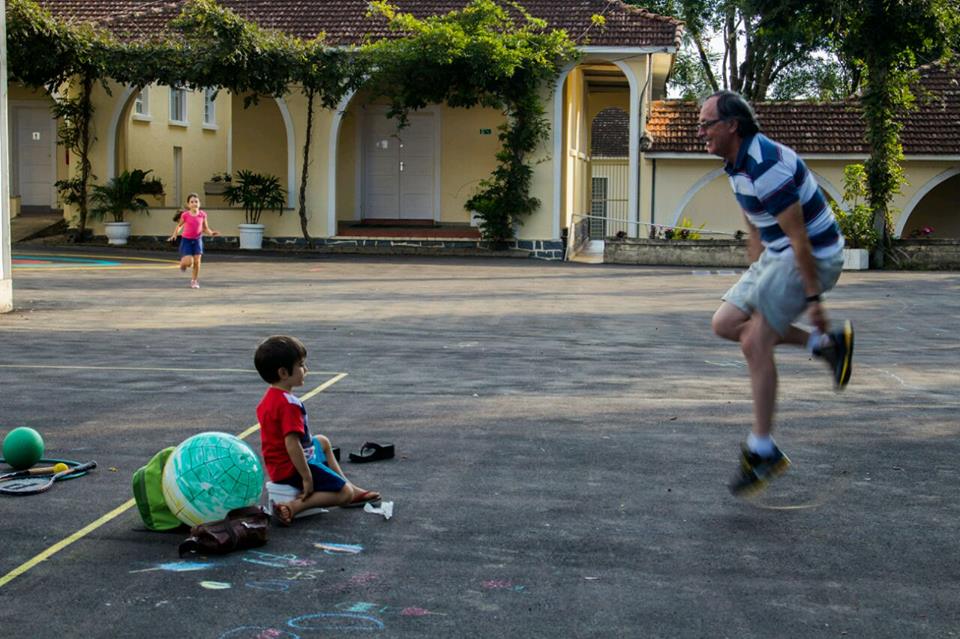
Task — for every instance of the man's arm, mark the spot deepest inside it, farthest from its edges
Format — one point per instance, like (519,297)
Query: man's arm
(791,221)
(754,245)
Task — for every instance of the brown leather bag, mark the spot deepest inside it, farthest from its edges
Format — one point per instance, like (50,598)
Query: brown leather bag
(243,528)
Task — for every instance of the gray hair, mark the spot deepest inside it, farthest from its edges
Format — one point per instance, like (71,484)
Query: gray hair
(732,106)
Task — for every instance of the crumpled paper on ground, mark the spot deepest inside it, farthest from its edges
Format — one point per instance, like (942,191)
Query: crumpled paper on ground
(385,508)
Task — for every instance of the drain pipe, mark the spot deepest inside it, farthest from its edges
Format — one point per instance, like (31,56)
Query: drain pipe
(653,193)
(641,137)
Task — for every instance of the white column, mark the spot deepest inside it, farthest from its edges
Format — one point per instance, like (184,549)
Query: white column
(6,268)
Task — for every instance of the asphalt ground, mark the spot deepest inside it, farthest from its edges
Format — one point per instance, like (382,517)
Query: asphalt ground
(564,434)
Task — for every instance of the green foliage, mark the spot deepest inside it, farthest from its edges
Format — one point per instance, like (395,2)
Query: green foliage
(255,192)
(885,40)
(856,217)
(122,194)
(775,37)
(479,56)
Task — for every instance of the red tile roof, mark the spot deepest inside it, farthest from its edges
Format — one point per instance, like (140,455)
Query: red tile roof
(345,22)
(933,128)
(609,134)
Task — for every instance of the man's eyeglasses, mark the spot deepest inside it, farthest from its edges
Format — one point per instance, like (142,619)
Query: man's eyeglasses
(706,124)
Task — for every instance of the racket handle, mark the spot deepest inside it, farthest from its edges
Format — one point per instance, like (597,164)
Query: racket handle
(90,465)
(44,470)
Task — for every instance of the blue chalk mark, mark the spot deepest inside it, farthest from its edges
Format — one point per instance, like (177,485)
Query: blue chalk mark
(48,261)
(339,549)
(342,621)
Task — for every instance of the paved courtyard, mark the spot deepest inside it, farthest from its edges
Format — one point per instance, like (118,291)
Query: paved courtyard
(564,433)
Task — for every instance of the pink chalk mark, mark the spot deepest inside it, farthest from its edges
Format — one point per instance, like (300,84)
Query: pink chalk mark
(497,584)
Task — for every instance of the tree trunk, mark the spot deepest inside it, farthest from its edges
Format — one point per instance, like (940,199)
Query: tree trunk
(304,172)
(83,125)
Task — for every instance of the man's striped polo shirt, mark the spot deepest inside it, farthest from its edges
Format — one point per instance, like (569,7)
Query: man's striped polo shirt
(767,178)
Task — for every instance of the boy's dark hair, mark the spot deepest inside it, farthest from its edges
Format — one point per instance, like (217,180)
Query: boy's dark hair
(732,106)
(276,352)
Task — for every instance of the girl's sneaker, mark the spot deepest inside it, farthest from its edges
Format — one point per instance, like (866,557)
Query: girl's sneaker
(194,284)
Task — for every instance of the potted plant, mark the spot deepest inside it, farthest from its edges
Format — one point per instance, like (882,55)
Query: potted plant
(217,184)
(118,196)
(255,192)
(856,221)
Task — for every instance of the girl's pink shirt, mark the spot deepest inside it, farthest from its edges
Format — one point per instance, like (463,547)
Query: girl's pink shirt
(193,224)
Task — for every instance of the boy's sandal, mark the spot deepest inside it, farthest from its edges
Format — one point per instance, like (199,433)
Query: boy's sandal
(366,497)
(371,451)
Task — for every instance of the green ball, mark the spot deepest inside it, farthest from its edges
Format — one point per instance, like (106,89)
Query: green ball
(22,447)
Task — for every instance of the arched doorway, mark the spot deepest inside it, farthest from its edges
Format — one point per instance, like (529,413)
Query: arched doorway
(935,208)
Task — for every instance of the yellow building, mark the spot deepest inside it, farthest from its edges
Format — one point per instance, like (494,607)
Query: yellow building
(367,179)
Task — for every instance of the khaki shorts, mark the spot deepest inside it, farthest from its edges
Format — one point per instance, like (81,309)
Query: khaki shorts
(773,287)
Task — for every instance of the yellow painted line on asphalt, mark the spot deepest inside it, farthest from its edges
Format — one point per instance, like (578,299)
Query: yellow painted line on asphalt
(87,256)
(127,505)
(151,369)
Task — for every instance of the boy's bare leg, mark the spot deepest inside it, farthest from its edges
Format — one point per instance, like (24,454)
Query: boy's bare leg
(334,465)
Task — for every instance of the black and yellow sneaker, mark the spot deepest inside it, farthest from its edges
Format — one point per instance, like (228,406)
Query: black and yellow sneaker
(839,354)
(756,471)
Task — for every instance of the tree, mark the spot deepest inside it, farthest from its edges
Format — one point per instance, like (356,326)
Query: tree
(479,56)
(66,60)
(886,40)
(775,38)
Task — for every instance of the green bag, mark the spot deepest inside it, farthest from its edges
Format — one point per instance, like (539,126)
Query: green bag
(148,493)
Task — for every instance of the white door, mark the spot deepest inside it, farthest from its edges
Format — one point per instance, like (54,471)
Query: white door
(400,169)
(34,153)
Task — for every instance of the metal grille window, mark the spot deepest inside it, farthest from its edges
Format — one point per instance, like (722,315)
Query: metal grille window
(598,208)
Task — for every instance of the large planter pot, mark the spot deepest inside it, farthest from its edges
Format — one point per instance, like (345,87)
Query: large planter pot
(251,236)
(117,232)
(215,188)
(855,259)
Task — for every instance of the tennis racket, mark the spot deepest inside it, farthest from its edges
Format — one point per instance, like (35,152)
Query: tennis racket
(29,472)
(37,485)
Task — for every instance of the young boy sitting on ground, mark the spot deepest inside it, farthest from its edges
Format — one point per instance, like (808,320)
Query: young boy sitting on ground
(285,437)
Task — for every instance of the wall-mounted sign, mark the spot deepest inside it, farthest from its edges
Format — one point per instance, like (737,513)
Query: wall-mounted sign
(36,135)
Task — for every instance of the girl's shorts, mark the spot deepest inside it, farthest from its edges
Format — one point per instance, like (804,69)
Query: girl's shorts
(191,247)
(324,480)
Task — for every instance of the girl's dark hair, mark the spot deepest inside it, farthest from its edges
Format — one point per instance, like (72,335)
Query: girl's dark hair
(190,195)
(732,106)
(176,216)
(276,352)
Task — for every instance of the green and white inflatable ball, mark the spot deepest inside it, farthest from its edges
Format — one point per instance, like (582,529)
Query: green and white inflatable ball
(209,475)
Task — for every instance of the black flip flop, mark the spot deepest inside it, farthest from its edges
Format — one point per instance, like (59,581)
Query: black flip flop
(371,451)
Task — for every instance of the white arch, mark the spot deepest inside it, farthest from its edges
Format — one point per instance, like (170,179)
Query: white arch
(691,192)
(634,147)
(113,129)
(112,137)
(291,151)
(919,195)
(828,186)
(332,162)
(824,183)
